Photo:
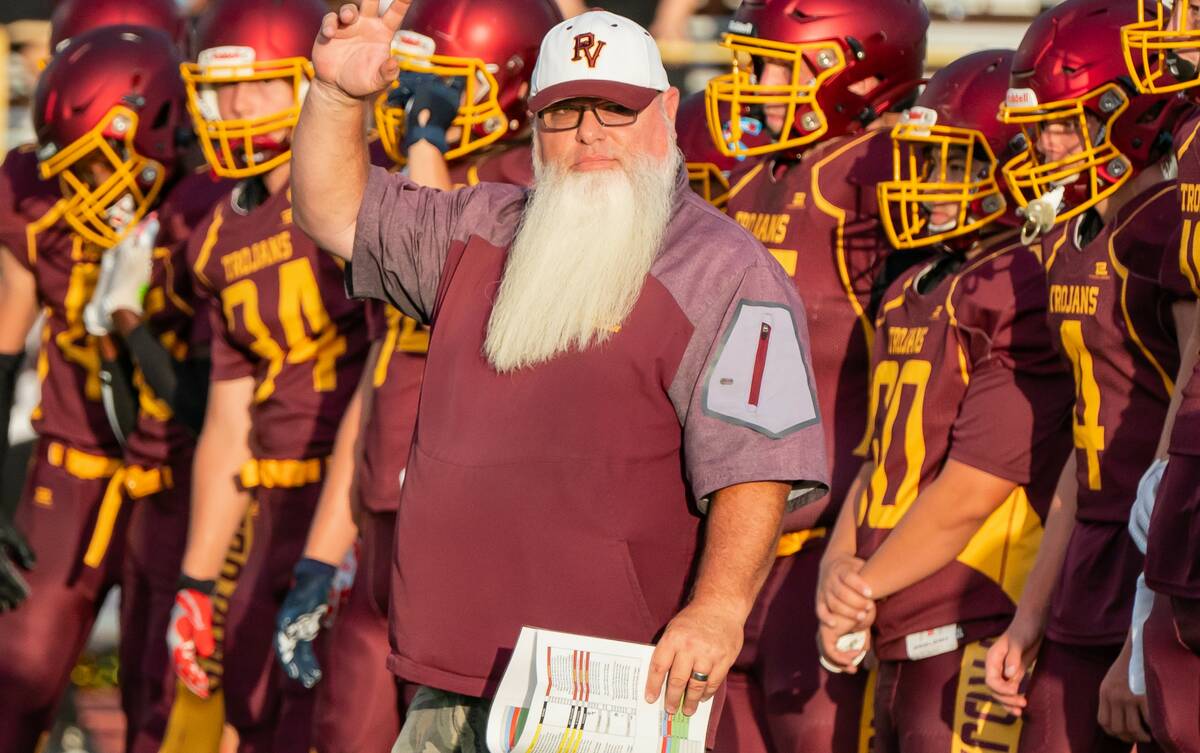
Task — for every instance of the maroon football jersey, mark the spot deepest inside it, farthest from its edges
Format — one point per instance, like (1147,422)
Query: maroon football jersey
(280,314)
(1180,274)
(66,270)
(819,217)
(396,383)
(1112,321)
(512,164)
(1172,550)
(965,371)
(175,314)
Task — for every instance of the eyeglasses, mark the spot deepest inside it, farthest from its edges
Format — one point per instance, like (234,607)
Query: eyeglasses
(568,117)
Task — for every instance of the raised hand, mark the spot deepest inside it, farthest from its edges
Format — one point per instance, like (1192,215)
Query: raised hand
(352,53)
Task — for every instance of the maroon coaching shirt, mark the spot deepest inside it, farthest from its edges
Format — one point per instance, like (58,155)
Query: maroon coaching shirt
(569,495)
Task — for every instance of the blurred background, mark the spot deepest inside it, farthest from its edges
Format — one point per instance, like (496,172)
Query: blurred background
(687,32)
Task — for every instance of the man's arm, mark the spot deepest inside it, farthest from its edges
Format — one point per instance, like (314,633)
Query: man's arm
(742,531)
(333,531)
(218,505)
(330,536)
(353,63)
(1009,658)
(943,518)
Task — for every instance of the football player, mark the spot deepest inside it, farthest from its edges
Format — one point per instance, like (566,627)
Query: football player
(1162,52)
(822,77)
(1094,182)
(287,352)
(435,62)
(969,403)
(109,117)
(708,168)
(457,113)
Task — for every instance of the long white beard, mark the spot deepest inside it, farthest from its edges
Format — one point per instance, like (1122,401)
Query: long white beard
(579,260)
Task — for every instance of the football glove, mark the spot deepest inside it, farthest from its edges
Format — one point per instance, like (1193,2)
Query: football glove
(124,277)
(190,633)
(15,555)
(299,620)
(431,98)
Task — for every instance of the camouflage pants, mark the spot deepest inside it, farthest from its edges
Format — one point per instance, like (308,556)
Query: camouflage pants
(441,722)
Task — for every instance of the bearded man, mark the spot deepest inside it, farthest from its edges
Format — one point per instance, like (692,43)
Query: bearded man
(617,406)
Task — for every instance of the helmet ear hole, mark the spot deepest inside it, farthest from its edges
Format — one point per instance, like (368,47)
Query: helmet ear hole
(163,116)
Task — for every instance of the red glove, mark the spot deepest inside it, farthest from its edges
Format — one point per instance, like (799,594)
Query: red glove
(190,635)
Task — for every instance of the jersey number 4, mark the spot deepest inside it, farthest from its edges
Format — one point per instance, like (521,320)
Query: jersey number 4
(1089,434)
(301,311)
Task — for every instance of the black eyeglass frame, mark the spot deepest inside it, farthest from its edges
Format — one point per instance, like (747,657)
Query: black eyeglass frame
(579,110)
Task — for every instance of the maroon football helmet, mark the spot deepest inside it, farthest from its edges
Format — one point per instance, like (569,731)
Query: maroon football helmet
(708,167)
(1069,76)
(947,150)
(829,49)
(492,45)
(109,113)
(250,40)
(73,17)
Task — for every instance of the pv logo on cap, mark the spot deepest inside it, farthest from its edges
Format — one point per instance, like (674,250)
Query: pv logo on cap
(587,47)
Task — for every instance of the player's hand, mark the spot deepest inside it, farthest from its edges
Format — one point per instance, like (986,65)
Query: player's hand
(703,638)
(842,652)
(352,53)
(299,620)
(844,602)
(431,103)
(1122,714)
(129,272)
(1007,664)
(15,556)
(190,636)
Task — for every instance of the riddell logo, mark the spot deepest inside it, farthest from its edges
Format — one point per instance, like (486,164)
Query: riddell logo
(587,47)
(1021,98)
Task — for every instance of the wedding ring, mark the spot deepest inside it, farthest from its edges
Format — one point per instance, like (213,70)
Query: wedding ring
(699,677)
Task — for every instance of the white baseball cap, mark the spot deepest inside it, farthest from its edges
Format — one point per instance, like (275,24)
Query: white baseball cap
(598,54)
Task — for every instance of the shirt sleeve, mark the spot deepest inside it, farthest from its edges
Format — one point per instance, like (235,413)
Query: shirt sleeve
(405,232)
(1019,392)
(751,412)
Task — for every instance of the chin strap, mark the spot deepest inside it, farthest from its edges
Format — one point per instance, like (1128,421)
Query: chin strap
(1040,214)
(1181,69)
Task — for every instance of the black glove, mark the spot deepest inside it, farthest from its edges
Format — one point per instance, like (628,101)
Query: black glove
(15,555)
(299,620)
(425,96)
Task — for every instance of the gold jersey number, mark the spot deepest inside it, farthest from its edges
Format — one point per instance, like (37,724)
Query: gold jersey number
(301,310)
(1089,434)
(887,393)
